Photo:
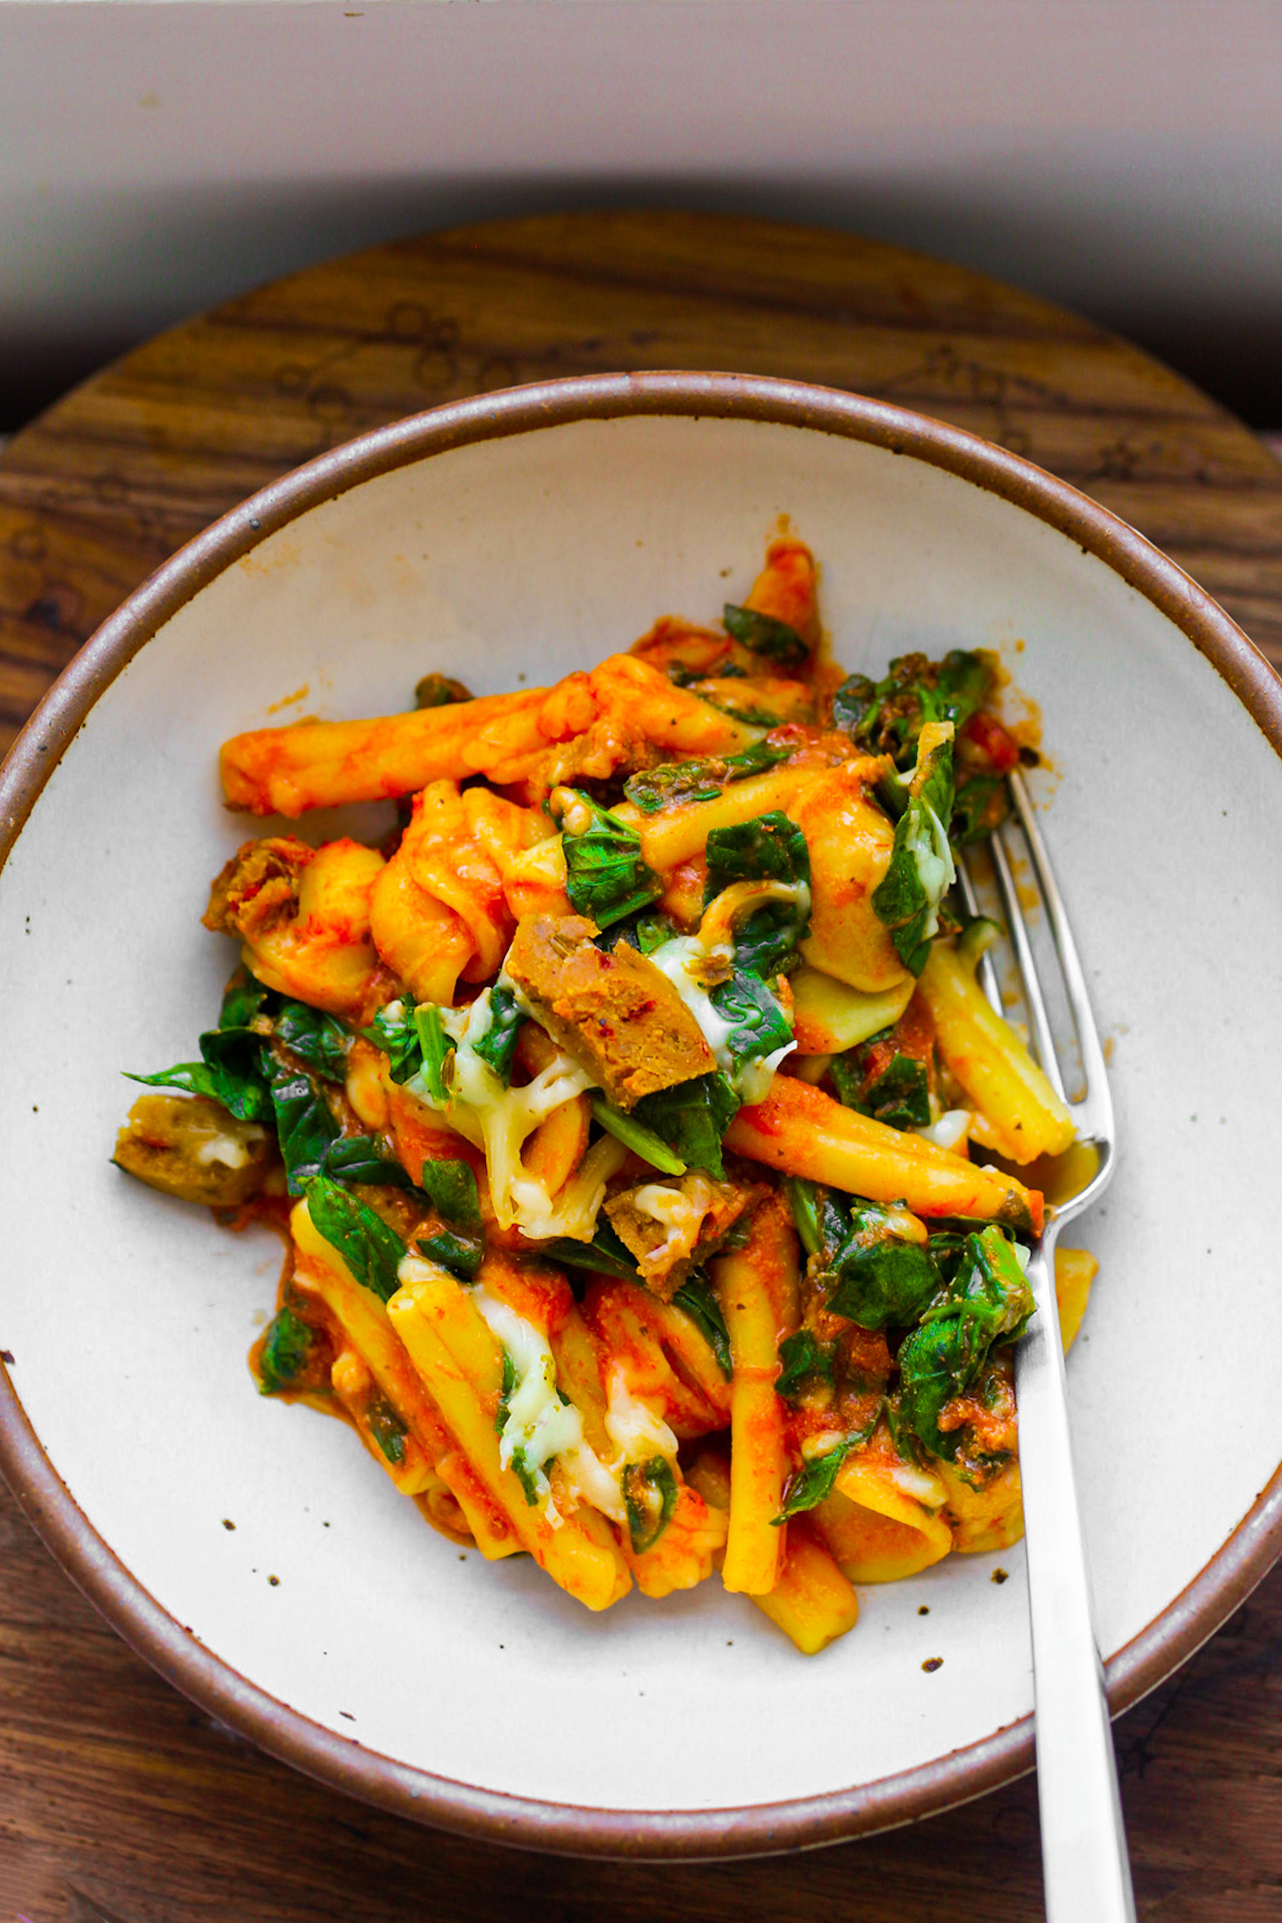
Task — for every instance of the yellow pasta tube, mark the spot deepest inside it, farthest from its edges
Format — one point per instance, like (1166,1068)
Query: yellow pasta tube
(813,1602)
(829,1016)
(884,1521)
(673,835)
(691,1545)
(376,1349)
(987,1518)
(984,1054)
(1075,1271)
(461,1362)
(756,1287)
(801,1131)
(993,1517)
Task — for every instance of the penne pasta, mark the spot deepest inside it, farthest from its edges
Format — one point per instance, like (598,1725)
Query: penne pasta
(643,1137)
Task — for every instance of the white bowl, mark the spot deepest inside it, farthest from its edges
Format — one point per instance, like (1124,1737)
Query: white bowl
(508,540)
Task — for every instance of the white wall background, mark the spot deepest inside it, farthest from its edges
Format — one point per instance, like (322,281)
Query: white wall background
(1123,156)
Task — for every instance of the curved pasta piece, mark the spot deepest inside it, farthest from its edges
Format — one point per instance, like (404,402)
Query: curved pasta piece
(303,915)
(438,910)
(850,842)
(801,1131)
(884,1520)
(987,1518)
(686,1553)
(757,1287)
(588,724)
(786,588)
(660,1356)
(1025,1117)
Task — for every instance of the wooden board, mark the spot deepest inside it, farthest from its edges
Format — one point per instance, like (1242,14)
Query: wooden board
(119,1802)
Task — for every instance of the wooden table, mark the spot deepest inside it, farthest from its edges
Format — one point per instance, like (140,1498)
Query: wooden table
(119,1802)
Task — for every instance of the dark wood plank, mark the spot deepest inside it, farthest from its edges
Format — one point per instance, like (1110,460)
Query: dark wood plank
(119,1801)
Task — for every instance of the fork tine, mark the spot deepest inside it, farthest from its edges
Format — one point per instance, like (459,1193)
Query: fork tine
(985,971)
(1043,1039)
(1098,1100)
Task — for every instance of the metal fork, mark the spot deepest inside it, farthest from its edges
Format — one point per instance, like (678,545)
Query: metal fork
(1085,1866)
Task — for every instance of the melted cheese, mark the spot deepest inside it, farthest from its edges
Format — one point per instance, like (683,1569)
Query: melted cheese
(951,1128)
(228,1149)
(499,1120)
(678,1211)
(684,960)
(538,1423)
(636,1432)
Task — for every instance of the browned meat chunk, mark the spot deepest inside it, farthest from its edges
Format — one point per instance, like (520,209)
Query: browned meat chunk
(670,1225)
(258,888)
(615,1013)
(189,1146)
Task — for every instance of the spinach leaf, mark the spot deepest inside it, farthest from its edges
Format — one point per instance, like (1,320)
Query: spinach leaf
(386,1428)
(678,782)
(696,1297)
(360,1158)
(440,691)
(804,1203)
(921,869)
(981,804)
(817,1478)
(526,1476)
(899,1096)
(437,1048)
(508,1384)
(394,1031)
(371,1250)
(888,715)
(605,876)
(304,1124)
(763,634)
(806,1487)
(883,1283)
(497,1045)
(865,1272)
(769,848)
(645,933)
(453,1191)
(462,1255)
(987,1302)
(318,1039)
(804,1359)
(649,1496)
(286,1351)
(759,1025)
(605,1254)
(243,998)
(691,1118)
(635,1135)
(231,1072)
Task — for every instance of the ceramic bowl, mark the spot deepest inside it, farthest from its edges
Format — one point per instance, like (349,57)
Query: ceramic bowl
(507,540)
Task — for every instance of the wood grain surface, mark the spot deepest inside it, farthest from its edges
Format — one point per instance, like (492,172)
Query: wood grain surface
(119,1801)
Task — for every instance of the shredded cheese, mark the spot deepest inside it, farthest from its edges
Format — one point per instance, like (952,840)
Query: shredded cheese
(539,1424)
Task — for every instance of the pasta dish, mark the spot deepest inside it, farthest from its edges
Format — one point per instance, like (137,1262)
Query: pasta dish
(655,1176)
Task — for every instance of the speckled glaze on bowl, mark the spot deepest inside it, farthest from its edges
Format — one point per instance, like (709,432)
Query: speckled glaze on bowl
(508,539)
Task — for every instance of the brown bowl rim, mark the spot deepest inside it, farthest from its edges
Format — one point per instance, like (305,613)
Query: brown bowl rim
(1166,1642)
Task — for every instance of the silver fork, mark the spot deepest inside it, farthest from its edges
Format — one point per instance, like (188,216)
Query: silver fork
(1085,1866)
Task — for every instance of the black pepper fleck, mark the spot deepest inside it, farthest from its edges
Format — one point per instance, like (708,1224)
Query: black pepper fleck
(923,1609)
(932,1663)
(6,1356)
(228,1523)
(348,1714)
(998,1575)
(274,1581)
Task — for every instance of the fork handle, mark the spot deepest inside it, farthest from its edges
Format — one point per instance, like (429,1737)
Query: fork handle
(1085,1867)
